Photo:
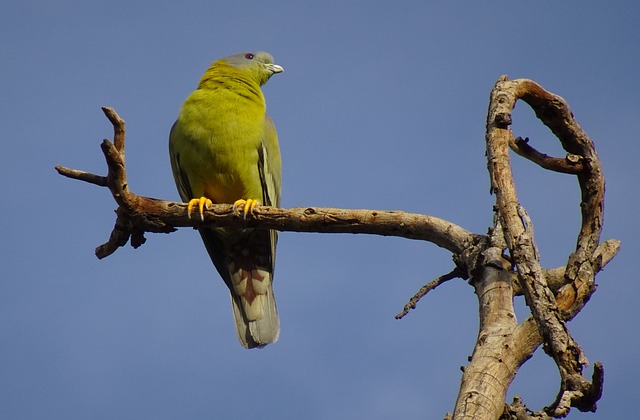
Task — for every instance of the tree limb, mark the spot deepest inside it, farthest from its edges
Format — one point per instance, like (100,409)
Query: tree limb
(553,111)
(138,214)
(456,272)
(571,164)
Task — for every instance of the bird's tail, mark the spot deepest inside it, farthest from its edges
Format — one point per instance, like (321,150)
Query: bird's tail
(245,262)
(257,321)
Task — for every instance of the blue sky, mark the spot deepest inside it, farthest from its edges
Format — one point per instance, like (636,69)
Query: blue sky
(382,105)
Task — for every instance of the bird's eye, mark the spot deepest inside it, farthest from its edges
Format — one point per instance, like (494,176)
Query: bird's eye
(248,56)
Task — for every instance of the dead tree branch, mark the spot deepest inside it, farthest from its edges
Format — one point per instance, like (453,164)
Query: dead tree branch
(137,214)
(456,272)
(571,164)
(549,314)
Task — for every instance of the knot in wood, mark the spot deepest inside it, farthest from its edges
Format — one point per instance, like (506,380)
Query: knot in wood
(574,158)
(502,119)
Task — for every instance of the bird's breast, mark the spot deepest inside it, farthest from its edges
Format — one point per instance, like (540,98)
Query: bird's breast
(225,133)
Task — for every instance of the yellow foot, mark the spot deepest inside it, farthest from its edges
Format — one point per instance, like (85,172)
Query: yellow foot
(245,206)
(203,204)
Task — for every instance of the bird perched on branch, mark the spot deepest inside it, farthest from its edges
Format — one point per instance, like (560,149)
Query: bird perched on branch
(224,149)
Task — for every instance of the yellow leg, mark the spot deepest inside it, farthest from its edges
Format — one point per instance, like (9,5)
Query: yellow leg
(245,206)
(202,203)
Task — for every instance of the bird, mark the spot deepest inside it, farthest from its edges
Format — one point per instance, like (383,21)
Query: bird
(224,148)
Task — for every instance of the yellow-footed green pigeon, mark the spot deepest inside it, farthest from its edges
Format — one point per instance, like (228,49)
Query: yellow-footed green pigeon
(224,149)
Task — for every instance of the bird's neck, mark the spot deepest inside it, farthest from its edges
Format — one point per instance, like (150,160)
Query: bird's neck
(221,75)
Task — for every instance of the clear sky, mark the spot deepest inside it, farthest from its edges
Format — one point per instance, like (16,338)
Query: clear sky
(382,105)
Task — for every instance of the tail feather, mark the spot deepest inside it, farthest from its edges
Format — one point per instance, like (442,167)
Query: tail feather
(245,262)
(261,331)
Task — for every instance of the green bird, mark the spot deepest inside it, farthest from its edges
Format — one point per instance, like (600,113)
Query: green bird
(224,149)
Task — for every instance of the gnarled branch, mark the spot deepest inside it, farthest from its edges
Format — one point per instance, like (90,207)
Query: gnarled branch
(553,111)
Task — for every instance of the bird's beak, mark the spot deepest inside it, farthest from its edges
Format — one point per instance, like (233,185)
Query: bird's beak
(274,68)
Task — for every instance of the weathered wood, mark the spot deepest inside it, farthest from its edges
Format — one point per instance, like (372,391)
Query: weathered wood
(548,322)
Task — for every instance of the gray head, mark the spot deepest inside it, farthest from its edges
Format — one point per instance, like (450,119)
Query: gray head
(258,65)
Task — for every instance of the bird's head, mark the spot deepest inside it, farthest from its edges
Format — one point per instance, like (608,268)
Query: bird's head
(258,65)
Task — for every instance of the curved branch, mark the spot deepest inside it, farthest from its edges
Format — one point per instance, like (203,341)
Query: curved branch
(553,111)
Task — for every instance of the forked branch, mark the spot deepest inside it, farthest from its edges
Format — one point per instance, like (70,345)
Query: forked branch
(550,313)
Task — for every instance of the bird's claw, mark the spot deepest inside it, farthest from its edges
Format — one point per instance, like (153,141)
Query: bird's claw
(202,203)
(245,206)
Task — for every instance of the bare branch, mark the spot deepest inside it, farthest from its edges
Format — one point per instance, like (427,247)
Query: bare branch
(82,176)
(556,281)
(503,346)
(137,214)
(554,112)
(569,165)
(456,272)
(119,128)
